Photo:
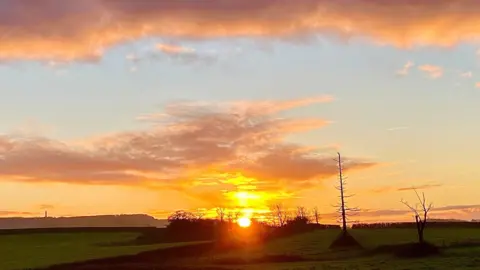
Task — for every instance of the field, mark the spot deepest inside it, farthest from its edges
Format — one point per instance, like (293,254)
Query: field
(33,250)
(460,250)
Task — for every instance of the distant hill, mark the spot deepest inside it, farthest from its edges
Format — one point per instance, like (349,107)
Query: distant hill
(82,221)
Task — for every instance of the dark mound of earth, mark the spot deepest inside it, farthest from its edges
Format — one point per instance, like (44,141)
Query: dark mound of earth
(345,241)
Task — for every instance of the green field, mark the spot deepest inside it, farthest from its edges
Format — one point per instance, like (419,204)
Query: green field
(20,251)
(43,249)
(313,247)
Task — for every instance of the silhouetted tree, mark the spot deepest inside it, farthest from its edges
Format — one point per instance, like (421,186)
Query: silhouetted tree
(316,215)
(182,215)
(280,215)
(343,209)
(233,216)
(220,213)
(420,215)
(301,212)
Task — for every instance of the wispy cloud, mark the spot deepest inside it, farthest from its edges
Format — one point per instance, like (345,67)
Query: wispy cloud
(406,68)
(461,212)
(83,30)
(425,186)
(15,213)
(176,53)
(46,206)
(467,74)
(186,55)
(432,71)
(398,128)
(189,143)
(405,188)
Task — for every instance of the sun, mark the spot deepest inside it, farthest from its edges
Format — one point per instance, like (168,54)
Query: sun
(244,222)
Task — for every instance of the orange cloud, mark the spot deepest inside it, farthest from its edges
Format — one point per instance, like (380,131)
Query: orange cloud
(391,188)
(406,68)
(82,30)
(477,85)
(433,71)
(173,49)
(467,74)
(465,212)
(193,148)
(15,214)
(426,186)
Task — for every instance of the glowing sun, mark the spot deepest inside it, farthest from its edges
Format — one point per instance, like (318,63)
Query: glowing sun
(244,222)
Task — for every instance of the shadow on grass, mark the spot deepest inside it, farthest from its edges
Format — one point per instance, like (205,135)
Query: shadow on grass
(263,259)
(408,250)
(157,258)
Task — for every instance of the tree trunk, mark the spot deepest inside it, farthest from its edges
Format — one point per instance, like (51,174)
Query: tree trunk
(420,237)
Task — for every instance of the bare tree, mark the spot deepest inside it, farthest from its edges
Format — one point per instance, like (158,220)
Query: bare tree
(316,215)
(420,215)
(230,217)
(343,209)
(199,214)
(301,212)
(233,216)
(220,213)
(279,215)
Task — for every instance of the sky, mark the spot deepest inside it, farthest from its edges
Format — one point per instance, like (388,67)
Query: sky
(117,107)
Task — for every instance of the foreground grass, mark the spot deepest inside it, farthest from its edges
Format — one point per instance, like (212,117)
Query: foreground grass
(44,249)
(41,250)
(313,248)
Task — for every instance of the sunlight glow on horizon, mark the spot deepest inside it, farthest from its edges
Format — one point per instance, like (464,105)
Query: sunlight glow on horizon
(244,222)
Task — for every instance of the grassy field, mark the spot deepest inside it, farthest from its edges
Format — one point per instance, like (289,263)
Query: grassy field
(313,248)
(35,250)
(39,250)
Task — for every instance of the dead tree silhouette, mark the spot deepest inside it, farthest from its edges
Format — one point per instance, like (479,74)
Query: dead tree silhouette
(220,213)
(344,240)
(316,215)
(280,215)
(302,212)
(344,211)
(420,218)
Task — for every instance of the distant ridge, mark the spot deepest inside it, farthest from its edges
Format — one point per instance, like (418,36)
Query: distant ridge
(139,220)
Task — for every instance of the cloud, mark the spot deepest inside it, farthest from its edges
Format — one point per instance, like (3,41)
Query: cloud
(413,187)
(406,68)
(433,71)
(189,143)
(467,74)
(15,214)
(477,85)
(465,212)
(426,186)
(83,30)
(46,206)
(185,55)
(176,53)
(397,128)
(173,49)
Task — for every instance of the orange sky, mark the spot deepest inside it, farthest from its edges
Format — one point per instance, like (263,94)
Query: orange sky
(155,106)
